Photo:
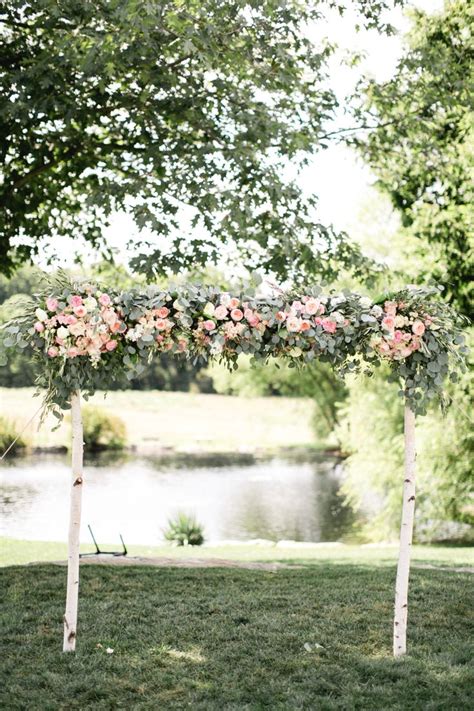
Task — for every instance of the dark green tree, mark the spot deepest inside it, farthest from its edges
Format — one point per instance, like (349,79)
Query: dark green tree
(164,108)
(422,147)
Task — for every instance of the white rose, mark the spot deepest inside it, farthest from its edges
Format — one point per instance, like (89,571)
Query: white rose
(209,309)
(62,332)
(400,321)
(90,303)
(41,315)
(377,311)
(337,316)
(365,302)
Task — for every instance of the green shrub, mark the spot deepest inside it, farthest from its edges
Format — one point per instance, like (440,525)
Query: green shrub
(102,430)
(371,432)
(184,530)
(8,434)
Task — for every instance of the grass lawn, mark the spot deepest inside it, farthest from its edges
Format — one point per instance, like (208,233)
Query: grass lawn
(236,639)
(18,552)
(182,420)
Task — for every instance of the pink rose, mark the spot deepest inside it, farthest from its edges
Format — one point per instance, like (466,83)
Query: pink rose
(162,324)
(220,312)
(311,307)
(77,329)
(162,312)
(305,326)
(280,316)
(398,336)
(254,320)
(39,326)
(105,300)
(111,345)
(297,305)
(418,328)
(51,304)
(318,321)
(233,303)
(405,352)
(236,314)
(70,320)
(293,323)
(384,347)
(80,310)
(389,323)
(52,352)
(75,301)
(72,352)
(390,308)
(115,327)
(328,325)
(209,325)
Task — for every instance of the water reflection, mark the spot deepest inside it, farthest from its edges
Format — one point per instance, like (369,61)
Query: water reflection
(234,496)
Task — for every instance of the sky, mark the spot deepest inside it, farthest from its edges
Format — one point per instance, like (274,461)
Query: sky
(336,175)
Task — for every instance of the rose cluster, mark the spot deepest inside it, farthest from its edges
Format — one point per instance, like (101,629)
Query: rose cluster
(402,330)
(85,324)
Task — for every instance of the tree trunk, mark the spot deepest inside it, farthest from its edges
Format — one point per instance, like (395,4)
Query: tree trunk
(72,594)
(406,536)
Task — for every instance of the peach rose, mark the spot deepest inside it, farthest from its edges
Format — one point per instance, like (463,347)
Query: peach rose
(52,352)
(389,323)
(311,307)
(280,316)
(293,324)
(328,325)
(80,310)
(162,312)
(390,308)
(233,303)
(105,300)
(236,314)
(418,328)
(111,345)
(220,312)
(72,352)
(51,304)
(305,326)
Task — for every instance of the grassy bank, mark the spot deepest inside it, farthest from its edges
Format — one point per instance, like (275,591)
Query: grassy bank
(16,552)
(314,638)
(184,421)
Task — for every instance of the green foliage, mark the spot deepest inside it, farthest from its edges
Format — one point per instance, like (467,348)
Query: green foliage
(106,342)
(102,430)
(8,435)
(422,146)
(371,431)
(184,530)
(146,107)
(228,640)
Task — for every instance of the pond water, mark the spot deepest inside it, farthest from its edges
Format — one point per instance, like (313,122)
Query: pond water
(236,497)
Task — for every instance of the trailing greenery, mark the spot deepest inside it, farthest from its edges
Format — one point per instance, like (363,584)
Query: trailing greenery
(371,432)
(184,530)
(83,336)
(102,430)
(8,435)
(315,637)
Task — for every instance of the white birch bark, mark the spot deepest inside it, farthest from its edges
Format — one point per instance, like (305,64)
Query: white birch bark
(406,536)
(72,593)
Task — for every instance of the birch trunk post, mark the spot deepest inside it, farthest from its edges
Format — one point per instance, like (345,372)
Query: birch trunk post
(72,593)
(406,537)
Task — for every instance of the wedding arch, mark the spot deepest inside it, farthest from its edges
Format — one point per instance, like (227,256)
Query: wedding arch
(83,335)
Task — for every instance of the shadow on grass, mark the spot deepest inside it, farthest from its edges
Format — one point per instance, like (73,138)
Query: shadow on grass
(315,637)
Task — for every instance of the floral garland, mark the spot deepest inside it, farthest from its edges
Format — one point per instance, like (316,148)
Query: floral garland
(84,336)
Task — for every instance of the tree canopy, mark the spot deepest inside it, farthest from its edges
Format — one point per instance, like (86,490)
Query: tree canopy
(167,109)
(422,146)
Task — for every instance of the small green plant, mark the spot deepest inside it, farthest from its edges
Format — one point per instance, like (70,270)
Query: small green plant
(102,430)
(8,434)
(184,530)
